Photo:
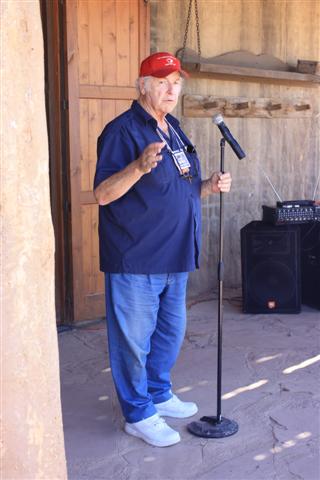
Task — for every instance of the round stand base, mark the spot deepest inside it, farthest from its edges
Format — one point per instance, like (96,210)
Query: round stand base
(211,427)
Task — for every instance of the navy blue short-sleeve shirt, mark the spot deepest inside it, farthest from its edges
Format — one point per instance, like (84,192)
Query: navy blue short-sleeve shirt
(156,226)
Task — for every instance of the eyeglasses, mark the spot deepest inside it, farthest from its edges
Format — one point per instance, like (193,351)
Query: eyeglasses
(187,176)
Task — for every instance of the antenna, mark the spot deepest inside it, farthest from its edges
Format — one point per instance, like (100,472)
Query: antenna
(316,187)
(271,184)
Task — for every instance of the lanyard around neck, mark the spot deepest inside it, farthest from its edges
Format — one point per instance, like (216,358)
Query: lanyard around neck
(176,135)
(179,156)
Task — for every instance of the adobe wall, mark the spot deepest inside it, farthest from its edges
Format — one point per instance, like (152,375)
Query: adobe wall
(31,408)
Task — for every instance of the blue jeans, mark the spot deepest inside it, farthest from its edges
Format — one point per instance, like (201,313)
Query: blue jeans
(146,320)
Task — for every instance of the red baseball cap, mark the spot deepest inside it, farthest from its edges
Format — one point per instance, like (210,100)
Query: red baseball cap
(160,65)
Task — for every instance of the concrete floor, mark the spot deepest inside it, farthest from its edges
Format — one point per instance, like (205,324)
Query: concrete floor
(270,387)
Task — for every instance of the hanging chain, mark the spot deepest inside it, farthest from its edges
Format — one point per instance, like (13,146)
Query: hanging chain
(198,27)
(187,28)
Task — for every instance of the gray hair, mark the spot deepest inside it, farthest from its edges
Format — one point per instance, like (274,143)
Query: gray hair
(146,81)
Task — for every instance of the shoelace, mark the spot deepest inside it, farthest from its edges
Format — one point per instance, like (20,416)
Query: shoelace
(159,422)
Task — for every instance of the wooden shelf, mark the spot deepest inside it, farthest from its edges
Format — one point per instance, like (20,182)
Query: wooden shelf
(245,107)
(232,72)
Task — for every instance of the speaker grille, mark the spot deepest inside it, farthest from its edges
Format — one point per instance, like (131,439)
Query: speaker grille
(310,264)
(270,258)
(274,243)
(271,281)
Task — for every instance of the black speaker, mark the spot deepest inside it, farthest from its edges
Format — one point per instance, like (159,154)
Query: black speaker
(310,264)
(271,275)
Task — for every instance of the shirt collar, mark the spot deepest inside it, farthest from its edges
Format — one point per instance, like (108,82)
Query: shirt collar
(147,118)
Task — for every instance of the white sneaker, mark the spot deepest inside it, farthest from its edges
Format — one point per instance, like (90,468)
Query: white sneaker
(176,408)
(154,431)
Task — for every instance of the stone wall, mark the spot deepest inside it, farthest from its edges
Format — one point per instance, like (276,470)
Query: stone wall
(31,409)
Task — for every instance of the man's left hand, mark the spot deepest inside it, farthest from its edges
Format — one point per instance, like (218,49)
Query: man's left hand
(220,182)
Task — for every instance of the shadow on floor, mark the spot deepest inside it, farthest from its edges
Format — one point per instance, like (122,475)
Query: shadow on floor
(270,386)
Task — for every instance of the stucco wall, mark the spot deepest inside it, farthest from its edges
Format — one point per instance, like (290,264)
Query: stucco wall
(287,149)
(32,426)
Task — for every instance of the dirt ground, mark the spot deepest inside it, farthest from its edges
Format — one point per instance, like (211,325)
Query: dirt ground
(270,387)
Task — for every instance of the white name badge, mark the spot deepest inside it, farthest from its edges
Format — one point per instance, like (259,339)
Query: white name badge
(181,159)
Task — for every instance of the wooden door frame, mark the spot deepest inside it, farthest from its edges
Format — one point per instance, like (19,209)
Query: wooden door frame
(53,15)
(74,150)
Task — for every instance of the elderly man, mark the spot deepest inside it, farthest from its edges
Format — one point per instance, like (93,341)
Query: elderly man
(148,186)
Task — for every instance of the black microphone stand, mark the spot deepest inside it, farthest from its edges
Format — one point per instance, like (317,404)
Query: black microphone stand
(218,426)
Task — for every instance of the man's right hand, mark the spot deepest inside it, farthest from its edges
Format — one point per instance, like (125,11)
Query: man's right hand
(150,157)
(119,183)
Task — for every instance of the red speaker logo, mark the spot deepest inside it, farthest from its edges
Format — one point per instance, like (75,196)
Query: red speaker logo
(271,304)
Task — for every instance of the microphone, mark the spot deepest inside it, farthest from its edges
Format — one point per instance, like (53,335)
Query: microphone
(218,120)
